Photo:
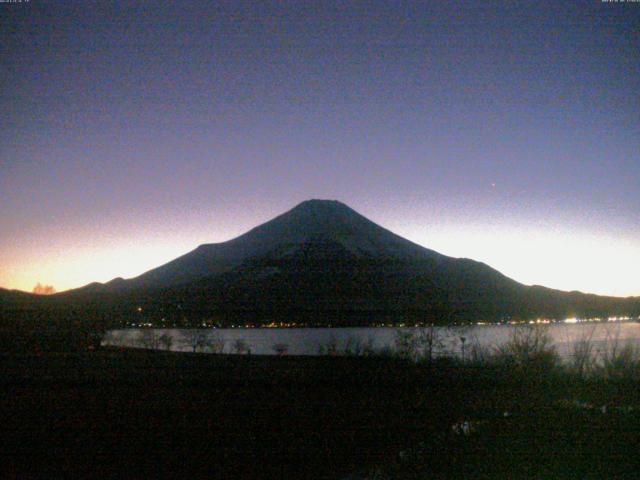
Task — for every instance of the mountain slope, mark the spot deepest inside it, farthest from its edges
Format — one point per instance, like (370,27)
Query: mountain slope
(324,276)
(323,261)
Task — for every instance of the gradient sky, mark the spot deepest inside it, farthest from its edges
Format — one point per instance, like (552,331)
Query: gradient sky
(506,132)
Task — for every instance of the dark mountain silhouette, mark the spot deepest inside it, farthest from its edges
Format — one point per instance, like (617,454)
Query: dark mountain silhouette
(12,296)
(324,263)
(312,221)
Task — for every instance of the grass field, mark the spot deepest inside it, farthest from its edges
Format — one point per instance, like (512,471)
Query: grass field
(145,414)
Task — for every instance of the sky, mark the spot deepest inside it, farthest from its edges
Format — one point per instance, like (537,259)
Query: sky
(506,132)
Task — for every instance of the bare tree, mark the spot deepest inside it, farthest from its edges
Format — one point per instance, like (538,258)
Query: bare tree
(583,358)
(148,338)
(429,341)
(166,340)
(619,359)
(419,344)
(477,352)
(406,344)
(194,339)
(330,348)
(216,343)
(240,346)
(530,346)
(353,346)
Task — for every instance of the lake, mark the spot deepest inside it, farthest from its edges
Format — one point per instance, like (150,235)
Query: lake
(315,341)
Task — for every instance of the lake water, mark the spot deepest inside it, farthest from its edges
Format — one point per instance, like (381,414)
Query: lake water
(314,341)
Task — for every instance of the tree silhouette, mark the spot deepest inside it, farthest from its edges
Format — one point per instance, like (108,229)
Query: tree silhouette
(43,289)
(194,339)
(166,340)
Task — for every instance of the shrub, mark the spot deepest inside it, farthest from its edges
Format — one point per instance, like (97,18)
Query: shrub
(429,341)
(329,348)
(582,360)
(280,348)
(529,348)
(216,343)
(419,345)
(406,344)
(368,348)
(477,353)
(110,338)
(148,338)
(621,362)
(353,346)
(240,346)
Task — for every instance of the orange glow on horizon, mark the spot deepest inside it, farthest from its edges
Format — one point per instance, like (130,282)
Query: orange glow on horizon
(559,259)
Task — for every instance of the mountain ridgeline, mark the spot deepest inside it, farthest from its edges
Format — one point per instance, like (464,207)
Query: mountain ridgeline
(320,263)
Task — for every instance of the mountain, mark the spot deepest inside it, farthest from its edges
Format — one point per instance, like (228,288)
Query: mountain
(309,222)
(324,263)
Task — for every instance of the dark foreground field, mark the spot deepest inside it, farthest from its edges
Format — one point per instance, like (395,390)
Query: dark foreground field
(139,414)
